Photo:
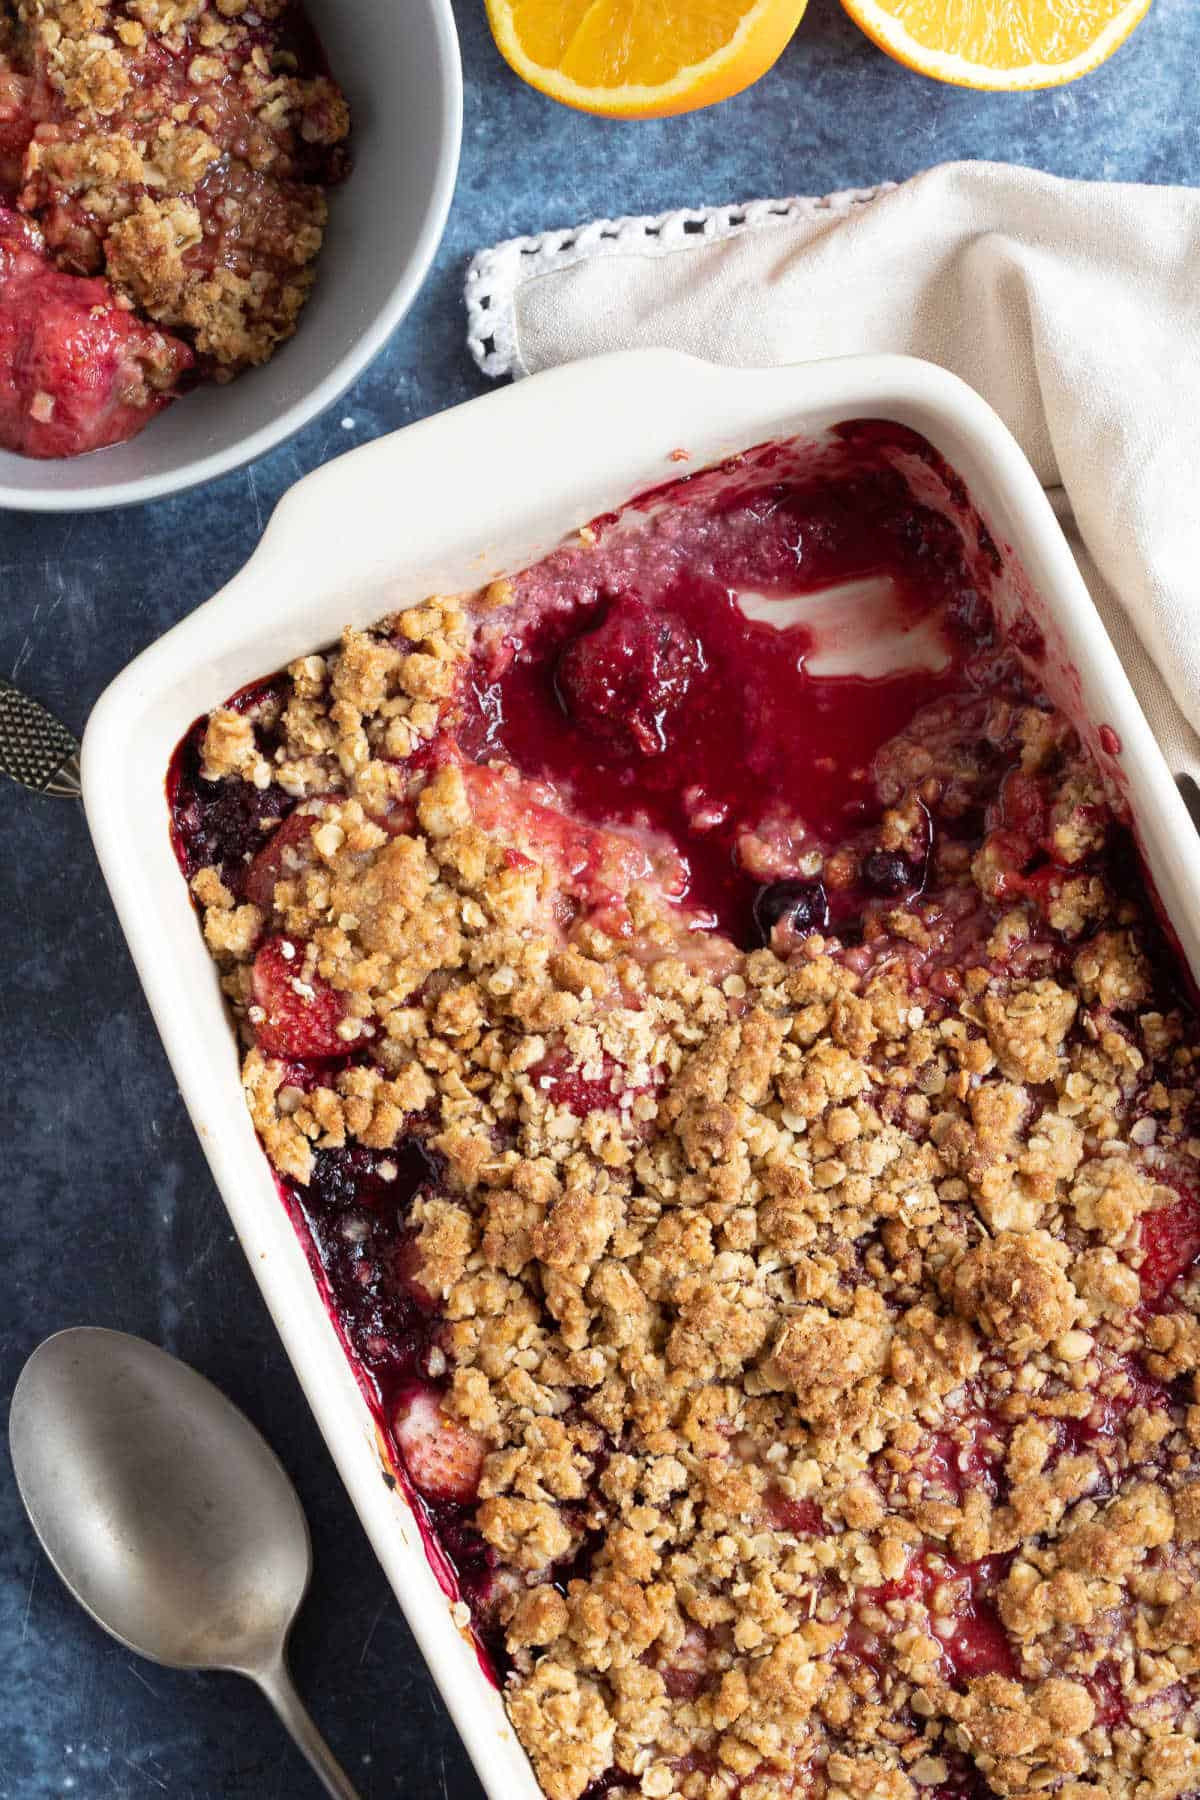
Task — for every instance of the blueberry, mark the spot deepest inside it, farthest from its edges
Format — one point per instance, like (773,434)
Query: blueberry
(801,905)
(886,873)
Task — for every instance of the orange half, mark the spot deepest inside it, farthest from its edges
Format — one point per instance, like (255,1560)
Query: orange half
(999,43)
(642,59)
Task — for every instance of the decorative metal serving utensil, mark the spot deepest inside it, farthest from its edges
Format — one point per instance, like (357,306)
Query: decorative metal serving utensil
(36,749)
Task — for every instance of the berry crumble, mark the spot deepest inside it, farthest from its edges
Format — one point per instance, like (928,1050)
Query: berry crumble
(739,1103)
(163,166)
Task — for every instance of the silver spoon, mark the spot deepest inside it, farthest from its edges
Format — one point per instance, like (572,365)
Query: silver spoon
(168,1517)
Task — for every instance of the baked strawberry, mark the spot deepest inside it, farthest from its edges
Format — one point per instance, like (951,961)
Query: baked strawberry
(444,1459)
(1023,805)
(286,852)
(408,1267)
(689,1670)
(803,1518)
(1170,1239)
(563,1082)
(300,1015)
(77,371)
(624,680)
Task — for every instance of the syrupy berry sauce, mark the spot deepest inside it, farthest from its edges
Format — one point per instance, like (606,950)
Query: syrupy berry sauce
(223,823)
(626,672)
(631,678)
(352,1218)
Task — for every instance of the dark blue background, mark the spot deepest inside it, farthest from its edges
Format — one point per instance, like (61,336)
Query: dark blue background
(109,1215)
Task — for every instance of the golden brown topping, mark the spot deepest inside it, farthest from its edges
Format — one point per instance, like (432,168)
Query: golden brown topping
(1026,1028)
(1014,1287)
(823,1358)
(1110,1194)
(795,1298)
(1112,972)
(567,1727)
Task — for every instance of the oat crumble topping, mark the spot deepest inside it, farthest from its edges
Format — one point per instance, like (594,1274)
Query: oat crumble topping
(815,1337)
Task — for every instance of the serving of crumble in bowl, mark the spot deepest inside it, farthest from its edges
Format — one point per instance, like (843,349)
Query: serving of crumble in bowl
(212,215)
(707,934)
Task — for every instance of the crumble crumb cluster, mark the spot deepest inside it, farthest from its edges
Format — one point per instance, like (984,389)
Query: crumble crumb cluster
(817,1355)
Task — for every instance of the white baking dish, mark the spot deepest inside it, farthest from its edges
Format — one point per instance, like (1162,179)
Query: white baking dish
(444,506)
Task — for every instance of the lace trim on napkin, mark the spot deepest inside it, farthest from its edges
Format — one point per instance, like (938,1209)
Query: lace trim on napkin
(496,274)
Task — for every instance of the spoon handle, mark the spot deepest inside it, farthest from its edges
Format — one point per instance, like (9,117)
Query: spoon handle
(276,1684)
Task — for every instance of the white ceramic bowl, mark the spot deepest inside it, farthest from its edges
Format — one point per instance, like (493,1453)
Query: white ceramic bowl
(398,62)
(386,525)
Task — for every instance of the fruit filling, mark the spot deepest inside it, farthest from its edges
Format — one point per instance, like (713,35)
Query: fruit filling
(710,1025)
(162,201)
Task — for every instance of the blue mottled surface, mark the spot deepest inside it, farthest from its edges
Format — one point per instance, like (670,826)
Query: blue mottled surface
(109,1215)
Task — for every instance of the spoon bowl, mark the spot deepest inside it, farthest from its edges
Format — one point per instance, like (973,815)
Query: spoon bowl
(167,1515)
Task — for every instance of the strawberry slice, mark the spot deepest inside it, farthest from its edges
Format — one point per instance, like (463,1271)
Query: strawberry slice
(300,1017)
(286,852)
(801,1517)
(77,371)
(407,1267)
(564,1083)
(444,1459)
(1023,805)
(690,1668)
(1170,1239)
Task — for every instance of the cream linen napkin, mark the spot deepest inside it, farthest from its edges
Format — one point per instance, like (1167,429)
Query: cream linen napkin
(1071,306)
